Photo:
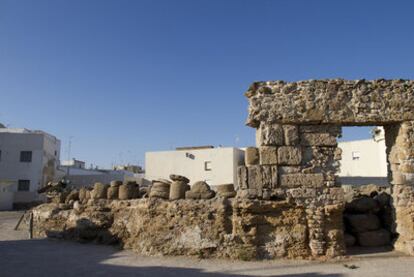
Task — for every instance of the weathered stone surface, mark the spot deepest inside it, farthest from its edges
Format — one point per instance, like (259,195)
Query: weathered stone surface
(316,139)
(270,135)
(225,188)
(127,191)
(99,191)
(302,180)
(332,101)
(112,192)
(228,194)
(241,177)
(291,134)
(179,178)
(200,190)
(177,190)
(289,155)
(268,155)
(254,177)
(251,156)
(269,176)
(264,229)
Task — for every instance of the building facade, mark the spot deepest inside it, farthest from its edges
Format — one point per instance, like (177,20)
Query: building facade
(213,165)
(80,176)
(28,160)
(364,161)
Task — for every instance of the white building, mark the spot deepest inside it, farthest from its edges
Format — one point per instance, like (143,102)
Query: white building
(364,161)
(28,160)
(79,176)
(214,165)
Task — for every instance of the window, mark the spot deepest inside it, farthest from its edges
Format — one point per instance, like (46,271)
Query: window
(207,166)
(26,156)
(23,185)
(356,155)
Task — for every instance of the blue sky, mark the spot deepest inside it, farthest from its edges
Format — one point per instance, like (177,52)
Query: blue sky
(126,77)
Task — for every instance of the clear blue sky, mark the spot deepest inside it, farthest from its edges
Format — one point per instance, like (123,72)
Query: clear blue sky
(125,77)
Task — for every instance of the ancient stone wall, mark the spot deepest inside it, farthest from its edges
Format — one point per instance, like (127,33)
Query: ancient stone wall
(219,227)
(297,124)
(288,203)
(400,149)
(335,101)
(298,163)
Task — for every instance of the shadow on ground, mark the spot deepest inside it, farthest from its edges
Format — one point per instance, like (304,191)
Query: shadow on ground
(56,258)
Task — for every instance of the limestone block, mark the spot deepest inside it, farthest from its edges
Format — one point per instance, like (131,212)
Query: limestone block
(268,155)
(288,169)
(229,194)
(225,188)
(247,193)
(159,194)
(251,156)
(254,177)
(314,180)
(270,135)
(291,134)
(407,167)
(318,139)
(179,178)
(99,191)
(112,192)
(200,186)
(127,191)
(162,187)
(301,192)
(398,178)
(177,190)
(241,177)
(269,176)
(326,128)
(289,155)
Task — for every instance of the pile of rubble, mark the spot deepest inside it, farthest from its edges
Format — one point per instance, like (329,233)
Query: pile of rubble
(368,218)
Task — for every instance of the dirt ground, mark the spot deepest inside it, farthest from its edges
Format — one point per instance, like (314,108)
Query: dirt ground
(20,256)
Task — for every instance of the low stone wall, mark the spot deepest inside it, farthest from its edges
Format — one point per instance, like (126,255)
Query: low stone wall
(219,227)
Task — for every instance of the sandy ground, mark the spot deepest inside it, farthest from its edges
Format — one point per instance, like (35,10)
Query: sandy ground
(20,256)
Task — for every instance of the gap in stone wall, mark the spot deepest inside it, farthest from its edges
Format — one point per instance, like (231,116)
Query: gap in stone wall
(364,176)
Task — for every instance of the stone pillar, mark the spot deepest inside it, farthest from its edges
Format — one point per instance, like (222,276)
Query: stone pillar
(298,163)
(400,150)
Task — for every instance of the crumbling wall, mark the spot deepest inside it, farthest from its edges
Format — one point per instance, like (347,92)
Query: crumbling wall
(288,204)
(297,163)
(218,227)
(315,108)
(399,140)
(334,101)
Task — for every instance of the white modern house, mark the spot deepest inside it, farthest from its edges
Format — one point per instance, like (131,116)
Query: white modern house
(28,160)
(364,161)
(206,163)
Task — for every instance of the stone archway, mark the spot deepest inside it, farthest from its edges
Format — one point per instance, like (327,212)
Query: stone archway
(297,126)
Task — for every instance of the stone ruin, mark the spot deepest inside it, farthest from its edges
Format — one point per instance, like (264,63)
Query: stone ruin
(287,202)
